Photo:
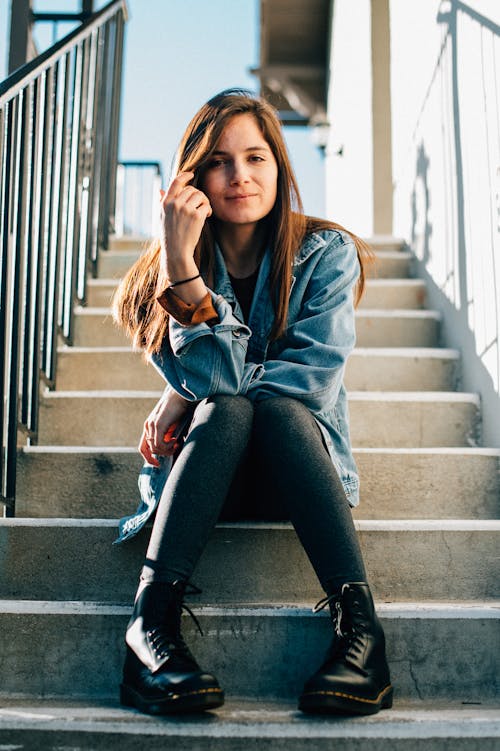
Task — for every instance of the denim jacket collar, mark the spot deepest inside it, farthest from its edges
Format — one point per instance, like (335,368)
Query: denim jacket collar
(312,243)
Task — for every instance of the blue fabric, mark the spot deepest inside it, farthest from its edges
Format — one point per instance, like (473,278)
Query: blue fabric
(151,483)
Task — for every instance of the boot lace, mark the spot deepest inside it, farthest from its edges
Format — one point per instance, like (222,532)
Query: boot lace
(349,643)
(337,619)
(161,642)
(338,643)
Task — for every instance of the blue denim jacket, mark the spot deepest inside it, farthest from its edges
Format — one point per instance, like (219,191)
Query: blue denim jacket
(307,363)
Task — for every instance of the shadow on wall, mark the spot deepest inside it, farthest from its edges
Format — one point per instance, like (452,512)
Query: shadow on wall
(421,179)
(457,331)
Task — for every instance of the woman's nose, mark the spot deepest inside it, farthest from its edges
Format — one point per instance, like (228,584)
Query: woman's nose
(239,172)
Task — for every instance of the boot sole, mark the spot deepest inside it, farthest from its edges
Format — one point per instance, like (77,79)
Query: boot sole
(193,701)
(337,702)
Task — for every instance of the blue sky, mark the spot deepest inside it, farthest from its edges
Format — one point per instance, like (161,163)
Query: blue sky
(178,54)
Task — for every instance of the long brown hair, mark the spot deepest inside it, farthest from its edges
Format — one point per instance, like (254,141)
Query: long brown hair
(135,307)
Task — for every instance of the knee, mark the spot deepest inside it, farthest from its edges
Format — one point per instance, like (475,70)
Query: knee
(281,410)
(227,408)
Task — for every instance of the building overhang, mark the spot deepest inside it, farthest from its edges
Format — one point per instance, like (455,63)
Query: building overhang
(294,58)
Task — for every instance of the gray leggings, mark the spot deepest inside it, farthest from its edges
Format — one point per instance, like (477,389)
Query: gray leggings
(254,461)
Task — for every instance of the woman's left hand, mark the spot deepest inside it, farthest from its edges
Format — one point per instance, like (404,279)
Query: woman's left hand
(161,428)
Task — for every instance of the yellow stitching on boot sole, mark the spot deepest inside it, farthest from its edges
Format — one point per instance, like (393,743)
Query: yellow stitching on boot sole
(349,696)
(193,693)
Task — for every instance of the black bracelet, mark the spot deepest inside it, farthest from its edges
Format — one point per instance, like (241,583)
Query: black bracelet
(183,281)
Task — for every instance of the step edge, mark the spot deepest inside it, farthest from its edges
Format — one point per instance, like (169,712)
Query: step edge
(240,723)
(398,313)
(416,610)
(96,311)
(467,526)
(452,397)
(437,451)
(443,353)
(395,282)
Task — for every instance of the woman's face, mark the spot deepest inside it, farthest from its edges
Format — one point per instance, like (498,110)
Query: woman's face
(241,179)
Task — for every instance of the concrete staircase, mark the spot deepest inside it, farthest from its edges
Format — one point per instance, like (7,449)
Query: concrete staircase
(428,522)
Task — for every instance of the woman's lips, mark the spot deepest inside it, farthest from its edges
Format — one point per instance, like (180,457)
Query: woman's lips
(241,197)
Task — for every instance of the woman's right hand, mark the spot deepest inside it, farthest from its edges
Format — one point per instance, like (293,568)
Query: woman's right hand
(160,428)
(184,210)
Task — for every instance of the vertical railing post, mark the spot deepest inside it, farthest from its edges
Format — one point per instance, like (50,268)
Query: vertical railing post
(5,189)
(112,162)
(14,311)
(104,135)
(67,280)
(96,125)
(37,250)
(30,272)
(88,237)
(53,238)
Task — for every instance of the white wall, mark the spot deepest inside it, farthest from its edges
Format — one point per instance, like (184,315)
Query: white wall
(349,192)
(445,62)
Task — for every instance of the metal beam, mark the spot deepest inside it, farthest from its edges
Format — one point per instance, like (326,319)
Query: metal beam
(294,52)
(301,102)
(381,113)
(20,34)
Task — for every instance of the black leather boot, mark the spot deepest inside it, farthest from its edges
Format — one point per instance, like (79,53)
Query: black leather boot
(354,678)
(160,675)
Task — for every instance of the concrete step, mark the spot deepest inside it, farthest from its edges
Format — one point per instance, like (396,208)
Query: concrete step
(91,482)
(405,561)
(389,264)
(403,369)
(114,264)
(397,328)
(411,419)
(243,725)
(94,327)
(435,650)
(379,293)
(368,369)
(100,292)
(394,293)
(414,419)
(98,368)
(128,242)
(385,242)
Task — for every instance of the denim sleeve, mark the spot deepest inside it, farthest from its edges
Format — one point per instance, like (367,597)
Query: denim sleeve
(310,365)
(199,361)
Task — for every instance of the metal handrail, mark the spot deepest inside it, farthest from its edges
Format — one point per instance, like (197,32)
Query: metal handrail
(59,120)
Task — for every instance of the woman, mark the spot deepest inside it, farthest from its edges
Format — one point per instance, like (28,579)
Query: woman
(246,307)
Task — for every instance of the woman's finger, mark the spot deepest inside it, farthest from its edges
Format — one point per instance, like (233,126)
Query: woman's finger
(146,453)
(187,197)
(178,185)
(196,199)
(156,440)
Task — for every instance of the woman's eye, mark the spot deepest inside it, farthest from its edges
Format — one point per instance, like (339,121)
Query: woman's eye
(256,158)
(216,163)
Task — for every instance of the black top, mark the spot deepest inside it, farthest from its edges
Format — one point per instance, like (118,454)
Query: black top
(244,289)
